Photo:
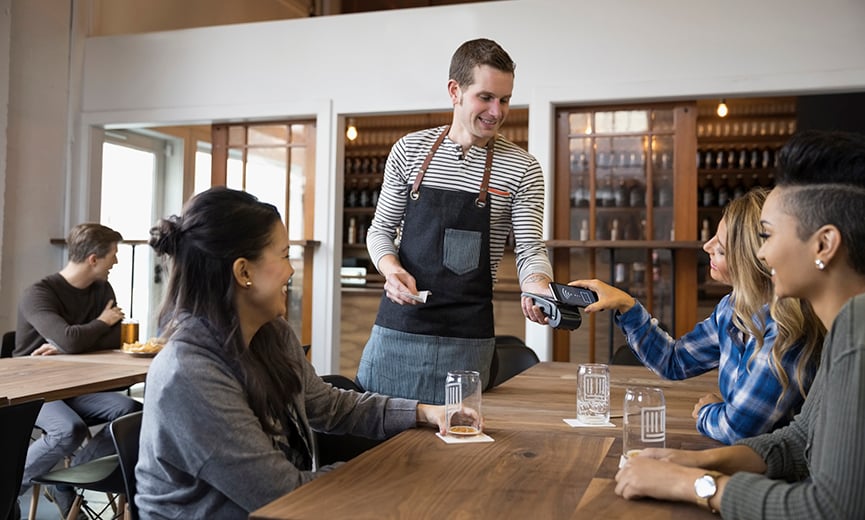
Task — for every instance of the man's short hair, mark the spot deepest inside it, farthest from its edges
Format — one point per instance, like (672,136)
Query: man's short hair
(90,239)
(478,52)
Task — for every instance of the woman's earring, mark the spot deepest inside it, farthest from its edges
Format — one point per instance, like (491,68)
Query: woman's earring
(819,263)
(248,283)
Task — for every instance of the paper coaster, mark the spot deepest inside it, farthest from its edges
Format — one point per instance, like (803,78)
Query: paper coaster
(576,423)
(454,439)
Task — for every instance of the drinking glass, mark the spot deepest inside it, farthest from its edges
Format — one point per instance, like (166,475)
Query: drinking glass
(463,402)
(129,331)
(593,393)
(645,416)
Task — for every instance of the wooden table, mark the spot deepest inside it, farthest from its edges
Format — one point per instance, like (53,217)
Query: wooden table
(64,376)
(538,466)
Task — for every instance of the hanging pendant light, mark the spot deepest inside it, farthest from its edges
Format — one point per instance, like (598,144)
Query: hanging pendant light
(722,109)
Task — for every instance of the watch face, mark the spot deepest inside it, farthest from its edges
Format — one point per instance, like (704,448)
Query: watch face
(705,486)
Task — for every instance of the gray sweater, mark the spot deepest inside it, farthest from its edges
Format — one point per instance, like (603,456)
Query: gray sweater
(203,452)
(816,465)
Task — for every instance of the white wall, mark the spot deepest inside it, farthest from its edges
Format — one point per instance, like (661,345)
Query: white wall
(567,52)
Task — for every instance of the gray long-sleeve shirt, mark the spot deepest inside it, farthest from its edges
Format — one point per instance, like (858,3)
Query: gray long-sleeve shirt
(203,452)
(816,465)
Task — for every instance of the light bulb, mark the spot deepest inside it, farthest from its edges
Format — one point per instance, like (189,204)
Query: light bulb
(722,109)
(351,131)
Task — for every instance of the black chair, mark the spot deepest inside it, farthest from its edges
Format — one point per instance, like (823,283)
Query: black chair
(102,474)
(126,432)
(625,356)
(17,421)
(335,448)
(510,357)
(8,344)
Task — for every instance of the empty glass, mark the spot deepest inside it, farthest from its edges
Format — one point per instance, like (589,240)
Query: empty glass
(593,393)
(645,416)
(463,402)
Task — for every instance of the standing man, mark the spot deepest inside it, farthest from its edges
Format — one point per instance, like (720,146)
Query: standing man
(72,312)
(449,199)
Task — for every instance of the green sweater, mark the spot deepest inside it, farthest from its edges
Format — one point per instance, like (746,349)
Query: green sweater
(816,465)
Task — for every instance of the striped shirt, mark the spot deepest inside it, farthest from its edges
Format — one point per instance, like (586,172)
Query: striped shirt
(750,388)
(516,196)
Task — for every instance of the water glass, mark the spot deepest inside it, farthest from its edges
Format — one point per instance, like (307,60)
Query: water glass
(645,416)
(593,393)
(463,402)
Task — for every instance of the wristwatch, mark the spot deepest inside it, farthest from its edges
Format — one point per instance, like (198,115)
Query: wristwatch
(705,487)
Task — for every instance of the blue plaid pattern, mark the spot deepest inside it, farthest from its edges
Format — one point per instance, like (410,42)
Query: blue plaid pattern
(750,390)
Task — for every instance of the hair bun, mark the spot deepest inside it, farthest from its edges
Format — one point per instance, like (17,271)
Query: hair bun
(165,235)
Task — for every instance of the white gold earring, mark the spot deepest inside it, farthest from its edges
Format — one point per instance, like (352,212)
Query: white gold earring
(819,263)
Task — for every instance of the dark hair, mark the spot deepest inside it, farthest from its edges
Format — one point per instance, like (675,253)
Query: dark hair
(90,239)
(478,52)
(842,206)
(215,228)
(827,168)
(822,157)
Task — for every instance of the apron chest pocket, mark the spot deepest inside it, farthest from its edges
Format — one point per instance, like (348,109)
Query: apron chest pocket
(462,250)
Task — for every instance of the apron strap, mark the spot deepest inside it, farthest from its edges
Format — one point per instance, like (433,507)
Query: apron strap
(417,180)
(481,201)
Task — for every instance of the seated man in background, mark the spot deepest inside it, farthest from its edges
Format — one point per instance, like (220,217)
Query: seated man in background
(72,312)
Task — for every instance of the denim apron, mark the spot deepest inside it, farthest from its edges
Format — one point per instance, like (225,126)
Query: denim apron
(446,247)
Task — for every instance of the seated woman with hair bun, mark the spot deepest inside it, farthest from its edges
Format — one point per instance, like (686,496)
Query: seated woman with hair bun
(231,401)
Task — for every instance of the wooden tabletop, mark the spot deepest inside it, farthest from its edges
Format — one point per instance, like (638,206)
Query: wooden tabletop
(64,376)
(538,466)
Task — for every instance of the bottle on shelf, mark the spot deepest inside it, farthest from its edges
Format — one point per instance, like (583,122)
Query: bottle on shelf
(351,199)
(665,192)
(584,230)
(739,187)
(363,199)
(352,231)
(708,195)
(705,233)
(614,229)
(723,192)
(636,195)
(621,197)
(374,194)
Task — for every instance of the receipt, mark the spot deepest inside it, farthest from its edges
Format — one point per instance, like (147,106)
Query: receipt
(421,296)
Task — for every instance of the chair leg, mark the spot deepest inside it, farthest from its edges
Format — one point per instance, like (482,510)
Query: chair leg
(76,507)
(36,489)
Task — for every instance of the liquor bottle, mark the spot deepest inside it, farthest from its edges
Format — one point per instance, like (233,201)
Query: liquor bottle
(584,230)
(621,196)
(709,196)
(614,229)
(732,160)
(363,199)
(352,198)
(705,233)
(665,192)
(352,231)
(374,193)
(723,192)
(636,196)
(739,188)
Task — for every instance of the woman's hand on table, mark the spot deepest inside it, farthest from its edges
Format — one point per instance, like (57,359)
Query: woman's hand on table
(706,399)
(432,415)
(644,476)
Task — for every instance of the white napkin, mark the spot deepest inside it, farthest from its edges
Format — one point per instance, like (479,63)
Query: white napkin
(463,439)
(576,423)
(421,296)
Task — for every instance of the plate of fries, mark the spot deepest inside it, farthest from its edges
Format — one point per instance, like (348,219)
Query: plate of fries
(148,349)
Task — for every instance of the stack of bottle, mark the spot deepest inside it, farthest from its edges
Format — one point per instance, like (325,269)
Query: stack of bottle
(737,158)
(717,191)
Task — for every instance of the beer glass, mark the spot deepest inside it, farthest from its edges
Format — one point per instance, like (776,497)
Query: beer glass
(645,416)
(593,393)
(463,402)
(128,331)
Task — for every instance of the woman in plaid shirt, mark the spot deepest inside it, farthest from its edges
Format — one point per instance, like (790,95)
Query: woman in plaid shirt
(766,353)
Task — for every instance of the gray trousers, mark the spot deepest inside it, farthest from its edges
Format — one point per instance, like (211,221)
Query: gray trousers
(65,425)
